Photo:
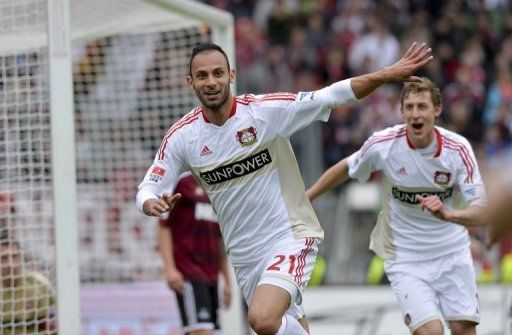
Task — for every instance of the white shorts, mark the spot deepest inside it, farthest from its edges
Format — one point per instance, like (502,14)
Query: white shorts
(288,264)
(427,290)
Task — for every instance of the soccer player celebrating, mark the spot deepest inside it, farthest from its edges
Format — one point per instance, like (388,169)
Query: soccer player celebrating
(420,233)
(238,149)
(191,247)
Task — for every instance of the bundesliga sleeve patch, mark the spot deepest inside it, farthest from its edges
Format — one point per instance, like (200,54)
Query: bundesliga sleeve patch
(475,195)
(305,96)
(157,174)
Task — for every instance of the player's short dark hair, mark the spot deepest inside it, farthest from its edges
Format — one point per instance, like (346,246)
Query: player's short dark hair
(426,85)
(203,47)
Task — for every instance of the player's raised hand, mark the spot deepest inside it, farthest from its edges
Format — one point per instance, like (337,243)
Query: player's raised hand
(414,58)
(156,207)
(434,205)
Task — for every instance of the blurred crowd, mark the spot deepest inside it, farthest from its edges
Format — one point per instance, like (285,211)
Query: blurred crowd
(301,45)
(291,45)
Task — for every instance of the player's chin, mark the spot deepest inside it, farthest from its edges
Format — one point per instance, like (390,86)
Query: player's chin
(214,104)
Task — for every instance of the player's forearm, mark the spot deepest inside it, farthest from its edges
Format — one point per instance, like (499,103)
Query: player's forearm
(366,84)
(333,177)
(473,216)
(143,195)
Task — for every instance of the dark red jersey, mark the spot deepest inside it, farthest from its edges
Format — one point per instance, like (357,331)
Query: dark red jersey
(195,233)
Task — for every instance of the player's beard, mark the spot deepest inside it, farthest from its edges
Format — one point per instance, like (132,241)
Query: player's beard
(213,106)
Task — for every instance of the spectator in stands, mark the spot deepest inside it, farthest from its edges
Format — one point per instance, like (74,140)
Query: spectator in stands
(192,251)
(374,50)
(279,24)
(27,299)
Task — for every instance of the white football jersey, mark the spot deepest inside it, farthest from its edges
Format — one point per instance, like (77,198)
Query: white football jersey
(404,232)
(248,169)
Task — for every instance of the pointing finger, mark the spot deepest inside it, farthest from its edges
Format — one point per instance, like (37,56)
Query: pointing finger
(175,198)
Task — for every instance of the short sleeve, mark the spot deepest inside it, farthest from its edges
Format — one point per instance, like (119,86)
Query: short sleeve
(163,174)
(366,160)
(469,179)
(288,113)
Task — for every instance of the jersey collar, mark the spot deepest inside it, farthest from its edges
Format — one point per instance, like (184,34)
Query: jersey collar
(439,138)
(231,113)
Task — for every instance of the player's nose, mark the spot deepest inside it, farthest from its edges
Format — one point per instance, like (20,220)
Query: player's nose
(210,81)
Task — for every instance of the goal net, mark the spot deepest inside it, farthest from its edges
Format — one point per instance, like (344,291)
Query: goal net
(26,240)
(129,63)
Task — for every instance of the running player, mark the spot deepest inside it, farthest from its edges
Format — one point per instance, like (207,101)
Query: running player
(420,233)
(191,247)
(238,149)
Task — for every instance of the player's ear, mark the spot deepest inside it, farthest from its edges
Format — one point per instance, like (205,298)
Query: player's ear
(190,82)
(232,76)
(437,110)
(402,114)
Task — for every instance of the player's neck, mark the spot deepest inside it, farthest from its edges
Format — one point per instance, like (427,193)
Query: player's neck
(421,143)
(220,115)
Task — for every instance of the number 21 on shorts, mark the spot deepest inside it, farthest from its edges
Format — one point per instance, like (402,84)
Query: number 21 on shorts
(277,266)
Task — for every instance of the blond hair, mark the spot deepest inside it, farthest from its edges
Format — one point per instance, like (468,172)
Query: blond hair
(426,85)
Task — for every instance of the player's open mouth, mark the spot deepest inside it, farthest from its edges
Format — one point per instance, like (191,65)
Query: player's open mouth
(417,125)
(211,93)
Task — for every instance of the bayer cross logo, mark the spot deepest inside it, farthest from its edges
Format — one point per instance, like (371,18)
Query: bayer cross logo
(247,136)
(442,178)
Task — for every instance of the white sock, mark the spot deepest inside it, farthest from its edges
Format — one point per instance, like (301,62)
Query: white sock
(290,326)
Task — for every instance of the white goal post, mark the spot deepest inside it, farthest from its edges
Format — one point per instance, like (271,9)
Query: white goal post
(89,89)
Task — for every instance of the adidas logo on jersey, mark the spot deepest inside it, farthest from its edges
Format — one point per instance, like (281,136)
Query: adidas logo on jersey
(205,151)
(402,171)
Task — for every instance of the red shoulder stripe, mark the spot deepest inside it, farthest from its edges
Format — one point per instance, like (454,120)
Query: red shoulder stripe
(187,119)
(382,138)
(247,99)
(183,119)
(464,154)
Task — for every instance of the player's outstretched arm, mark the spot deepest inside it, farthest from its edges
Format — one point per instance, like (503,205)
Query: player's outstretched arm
(473,216)
(413,59)
(331,178)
